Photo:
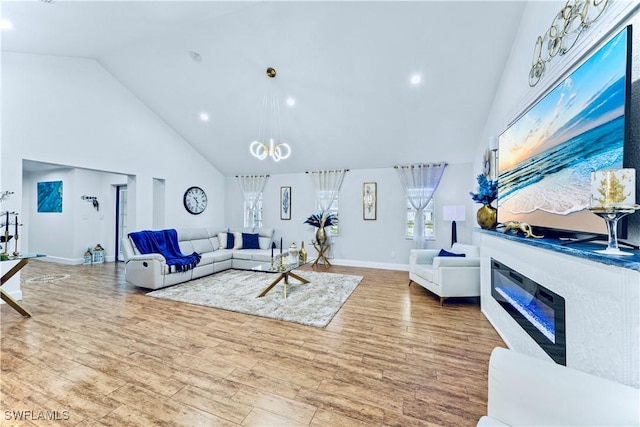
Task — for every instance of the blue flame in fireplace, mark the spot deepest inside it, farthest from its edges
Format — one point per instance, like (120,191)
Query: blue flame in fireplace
(534,310)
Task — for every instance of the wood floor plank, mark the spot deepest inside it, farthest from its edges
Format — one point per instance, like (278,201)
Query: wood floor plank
(112,356)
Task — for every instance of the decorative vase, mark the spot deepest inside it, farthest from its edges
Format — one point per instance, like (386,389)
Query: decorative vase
(293,253)
(303,253)
(487,217)
(321,236)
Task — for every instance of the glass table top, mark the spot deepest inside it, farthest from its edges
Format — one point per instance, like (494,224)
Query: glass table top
(287,266)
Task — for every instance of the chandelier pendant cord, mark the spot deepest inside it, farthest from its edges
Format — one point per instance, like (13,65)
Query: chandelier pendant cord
(269,142)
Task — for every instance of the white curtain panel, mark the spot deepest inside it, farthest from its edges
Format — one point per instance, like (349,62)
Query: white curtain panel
(326,185)
(252,187)
(420,182)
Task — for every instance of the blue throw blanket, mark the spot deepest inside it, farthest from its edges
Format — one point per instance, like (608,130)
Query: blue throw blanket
(165,243)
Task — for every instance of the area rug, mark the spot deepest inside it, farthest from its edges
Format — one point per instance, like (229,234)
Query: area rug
(314,303)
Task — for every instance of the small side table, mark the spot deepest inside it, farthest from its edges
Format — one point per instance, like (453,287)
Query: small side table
(23,260)
(8,298)
(322,249)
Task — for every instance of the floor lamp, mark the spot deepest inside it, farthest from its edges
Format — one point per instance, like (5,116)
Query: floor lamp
(453,214)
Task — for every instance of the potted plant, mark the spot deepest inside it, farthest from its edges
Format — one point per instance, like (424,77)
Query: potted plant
(487,215)
(321,220)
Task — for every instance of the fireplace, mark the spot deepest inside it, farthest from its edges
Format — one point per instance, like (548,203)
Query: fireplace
(538,310)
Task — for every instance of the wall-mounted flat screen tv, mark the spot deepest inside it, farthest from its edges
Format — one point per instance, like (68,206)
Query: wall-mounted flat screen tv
(547,155)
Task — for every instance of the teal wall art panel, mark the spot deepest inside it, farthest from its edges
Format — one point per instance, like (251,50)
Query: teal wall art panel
(50,196)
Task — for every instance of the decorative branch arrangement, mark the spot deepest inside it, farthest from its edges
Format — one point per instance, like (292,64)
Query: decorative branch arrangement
(5,195)
(563,33)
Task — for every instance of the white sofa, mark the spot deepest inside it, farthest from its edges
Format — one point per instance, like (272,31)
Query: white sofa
(151,271)
(447,276)
(526,391)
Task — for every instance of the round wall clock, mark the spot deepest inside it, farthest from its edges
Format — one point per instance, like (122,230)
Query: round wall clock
(195,200)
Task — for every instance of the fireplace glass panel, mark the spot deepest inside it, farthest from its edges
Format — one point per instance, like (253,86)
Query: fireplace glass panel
(538,310)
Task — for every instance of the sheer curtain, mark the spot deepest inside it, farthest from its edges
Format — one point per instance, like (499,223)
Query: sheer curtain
(326,185)
(252,187)
(420,182)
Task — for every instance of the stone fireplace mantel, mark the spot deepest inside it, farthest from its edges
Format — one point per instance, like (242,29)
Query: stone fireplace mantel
(602,301)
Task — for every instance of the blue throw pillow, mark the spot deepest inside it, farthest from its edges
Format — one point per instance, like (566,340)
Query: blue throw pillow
(229,241)
(447,253)
(250,241)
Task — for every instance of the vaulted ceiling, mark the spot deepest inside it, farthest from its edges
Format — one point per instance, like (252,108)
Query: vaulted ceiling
(347,65)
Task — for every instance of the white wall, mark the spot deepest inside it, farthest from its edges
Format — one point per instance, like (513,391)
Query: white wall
(514,95)
(72,112)
(375,243)
(65,236)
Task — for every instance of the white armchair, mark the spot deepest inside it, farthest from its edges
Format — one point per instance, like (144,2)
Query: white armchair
(526,391)
(447,276)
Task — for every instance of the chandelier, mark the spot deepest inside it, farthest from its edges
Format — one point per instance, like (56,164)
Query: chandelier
(269,142)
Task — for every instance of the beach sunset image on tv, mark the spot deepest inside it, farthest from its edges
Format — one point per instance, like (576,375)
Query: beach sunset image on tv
(546,157)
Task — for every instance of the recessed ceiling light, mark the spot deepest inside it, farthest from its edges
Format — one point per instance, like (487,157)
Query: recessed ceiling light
(291,102)
(415,79)
(5,24)
(204,116)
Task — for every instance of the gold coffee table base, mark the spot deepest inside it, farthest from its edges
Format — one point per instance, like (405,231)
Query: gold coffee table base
(284,275)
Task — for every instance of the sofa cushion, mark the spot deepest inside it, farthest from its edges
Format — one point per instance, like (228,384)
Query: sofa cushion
(250,241)
(258,255)
(228,241)
(237,240)
(222,255)
(468,250)
(425,271)
(264,242)
(447,253)
(202,245)
(242,254)
(265,236)
(186,247)
(207,258)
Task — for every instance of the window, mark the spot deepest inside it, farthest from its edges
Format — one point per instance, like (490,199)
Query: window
(429,229)
(334,229)
(334,210)
(257,214)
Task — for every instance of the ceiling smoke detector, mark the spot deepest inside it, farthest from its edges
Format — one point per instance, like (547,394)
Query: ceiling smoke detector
(193,54)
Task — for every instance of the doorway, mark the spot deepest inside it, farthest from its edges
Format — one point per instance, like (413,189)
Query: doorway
(121,219)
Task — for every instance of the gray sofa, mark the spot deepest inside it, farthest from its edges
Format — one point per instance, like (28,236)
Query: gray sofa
(151,271)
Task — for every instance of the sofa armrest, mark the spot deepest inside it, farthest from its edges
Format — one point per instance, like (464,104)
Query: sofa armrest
(146,257)
(447,261)
(524,390)
(422,256)
(146,271)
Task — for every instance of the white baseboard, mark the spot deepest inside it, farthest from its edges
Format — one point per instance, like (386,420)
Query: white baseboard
(370,264)
(71,261)
(60,260)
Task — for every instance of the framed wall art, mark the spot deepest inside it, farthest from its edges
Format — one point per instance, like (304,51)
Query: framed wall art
(285,203)
(369,200)
(50,196)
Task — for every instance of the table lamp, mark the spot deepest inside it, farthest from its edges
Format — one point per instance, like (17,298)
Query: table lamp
(453,214)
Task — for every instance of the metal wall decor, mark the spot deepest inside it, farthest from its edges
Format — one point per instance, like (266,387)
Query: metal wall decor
(93,200)
(563,33)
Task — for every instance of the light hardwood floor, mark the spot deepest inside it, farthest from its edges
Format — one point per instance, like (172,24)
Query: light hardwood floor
(101,353)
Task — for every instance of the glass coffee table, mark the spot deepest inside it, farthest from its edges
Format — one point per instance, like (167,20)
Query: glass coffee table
(283,272)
